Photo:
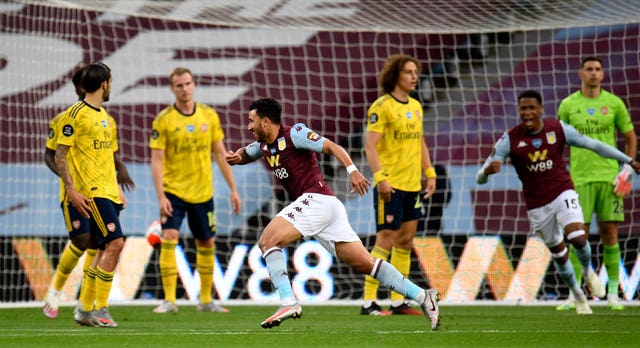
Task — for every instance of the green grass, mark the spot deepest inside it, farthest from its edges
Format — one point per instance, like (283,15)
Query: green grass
(327,326)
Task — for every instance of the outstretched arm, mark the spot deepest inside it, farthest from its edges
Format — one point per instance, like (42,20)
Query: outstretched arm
(574,138)
(239,157)
(358,181)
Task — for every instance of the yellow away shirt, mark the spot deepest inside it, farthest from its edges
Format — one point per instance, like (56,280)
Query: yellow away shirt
(187,141)
(92,137)
(400,147)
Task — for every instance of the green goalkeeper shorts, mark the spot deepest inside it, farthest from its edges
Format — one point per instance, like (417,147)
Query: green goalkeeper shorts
(599,198)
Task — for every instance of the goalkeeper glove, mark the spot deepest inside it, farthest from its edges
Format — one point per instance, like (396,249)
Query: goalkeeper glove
(622,182)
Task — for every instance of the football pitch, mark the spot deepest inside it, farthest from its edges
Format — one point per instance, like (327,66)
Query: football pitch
(327,326)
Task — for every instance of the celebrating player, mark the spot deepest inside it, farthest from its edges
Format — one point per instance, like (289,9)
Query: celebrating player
(536,147)
(315,212)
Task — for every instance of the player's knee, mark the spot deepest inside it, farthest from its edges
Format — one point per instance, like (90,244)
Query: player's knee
(115,246)
(266,242)
(81,241)
(577,238)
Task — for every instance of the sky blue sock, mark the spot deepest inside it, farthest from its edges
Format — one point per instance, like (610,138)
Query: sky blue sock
(277,267)
(584,255)
(392,279)
(566,272)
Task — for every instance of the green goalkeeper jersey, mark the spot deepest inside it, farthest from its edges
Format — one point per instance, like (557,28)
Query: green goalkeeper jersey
(596,118)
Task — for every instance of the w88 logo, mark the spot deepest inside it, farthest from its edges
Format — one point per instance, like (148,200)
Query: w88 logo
(281,173)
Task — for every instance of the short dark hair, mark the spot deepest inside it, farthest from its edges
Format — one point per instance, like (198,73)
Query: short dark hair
(267,107)
(93,75)
(590,59)
(530,94)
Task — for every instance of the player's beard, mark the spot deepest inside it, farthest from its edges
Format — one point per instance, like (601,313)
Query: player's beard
(106,94)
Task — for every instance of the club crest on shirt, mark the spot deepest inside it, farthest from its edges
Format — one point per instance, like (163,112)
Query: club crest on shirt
(282,144)
(591,111)
(104,123)
(536,143)
(551,138)
(190,128)
(373,118)
(313,136)
(604,110)
(408,114)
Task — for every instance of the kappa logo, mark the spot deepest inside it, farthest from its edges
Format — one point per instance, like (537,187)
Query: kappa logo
(522,144)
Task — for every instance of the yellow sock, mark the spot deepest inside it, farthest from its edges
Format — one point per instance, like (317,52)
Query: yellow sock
(88,291)
(204,264)
(104,280)
(68,261)
(88,260)
(371,284)
(401,260)
(168,269)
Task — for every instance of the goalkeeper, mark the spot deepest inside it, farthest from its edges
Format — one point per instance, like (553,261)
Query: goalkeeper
(597,113)
(536,148)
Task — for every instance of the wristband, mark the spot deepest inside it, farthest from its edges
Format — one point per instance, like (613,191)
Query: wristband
(379,176)
(430,173)
(352,168)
